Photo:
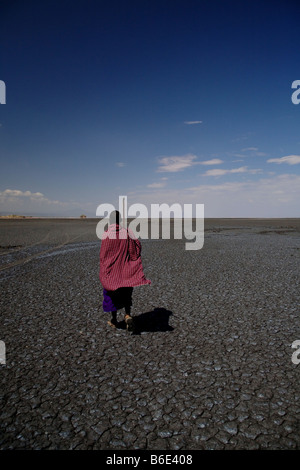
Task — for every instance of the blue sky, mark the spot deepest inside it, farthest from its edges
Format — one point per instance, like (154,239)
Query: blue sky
(161,100)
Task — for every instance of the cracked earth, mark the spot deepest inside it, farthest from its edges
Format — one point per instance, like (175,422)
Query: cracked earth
(207,367)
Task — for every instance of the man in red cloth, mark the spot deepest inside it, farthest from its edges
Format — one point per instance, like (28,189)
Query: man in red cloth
(121,269)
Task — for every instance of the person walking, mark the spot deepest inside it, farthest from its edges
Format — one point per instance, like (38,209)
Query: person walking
(121,269)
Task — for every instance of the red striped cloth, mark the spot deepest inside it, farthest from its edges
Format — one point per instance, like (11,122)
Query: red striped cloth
(120,259)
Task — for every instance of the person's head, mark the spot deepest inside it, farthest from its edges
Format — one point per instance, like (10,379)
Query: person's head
(115,218)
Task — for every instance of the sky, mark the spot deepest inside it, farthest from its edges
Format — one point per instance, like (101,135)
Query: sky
(164,101)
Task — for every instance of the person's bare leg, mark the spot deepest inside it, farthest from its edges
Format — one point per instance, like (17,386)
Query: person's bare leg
(128,319)
(113,322)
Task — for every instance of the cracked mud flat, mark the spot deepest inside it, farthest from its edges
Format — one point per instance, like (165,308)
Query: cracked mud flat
(208,367)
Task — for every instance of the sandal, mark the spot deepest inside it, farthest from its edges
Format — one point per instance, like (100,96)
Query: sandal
(129,322)
(112,323)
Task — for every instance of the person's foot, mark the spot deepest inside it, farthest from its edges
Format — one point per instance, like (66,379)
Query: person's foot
(113,322)
(129,322)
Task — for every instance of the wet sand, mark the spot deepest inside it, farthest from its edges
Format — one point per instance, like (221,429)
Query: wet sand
(209,365)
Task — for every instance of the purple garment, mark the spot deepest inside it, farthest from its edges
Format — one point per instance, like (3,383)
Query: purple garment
(108,305)
(117,299)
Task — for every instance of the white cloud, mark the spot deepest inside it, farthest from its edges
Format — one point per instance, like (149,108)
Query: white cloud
(261,154)
(243,137)
(15,199)
(176,163)
(18,193)
(267,197)
(253,152)
(289,159)
(181,162)
(275,196)
(278,192)
(120,164)
(214,161)
(221,172)
(191,123)
(249,152)
(156,185)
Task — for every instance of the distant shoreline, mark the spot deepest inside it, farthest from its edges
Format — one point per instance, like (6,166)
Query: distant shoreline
(46,217)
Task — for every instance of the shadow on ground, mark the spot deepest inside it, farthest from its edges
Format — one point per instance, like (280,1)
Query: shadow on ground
(155,320)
